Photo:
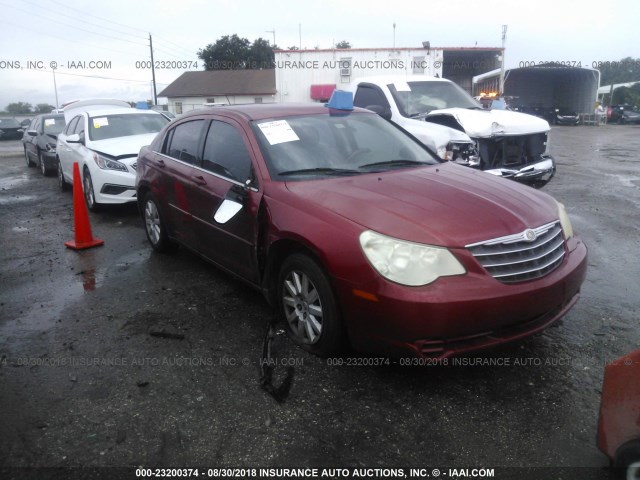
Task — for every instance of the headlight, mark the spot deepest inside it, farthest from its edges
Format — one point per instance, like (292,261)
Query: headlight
(565,223)
(408,263)
(107,164)
(51,147)
(442,152)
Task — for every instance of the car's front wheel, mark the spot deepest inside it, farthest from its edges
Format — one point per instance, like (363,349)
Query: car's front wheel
(309,307)
(155,226)
(89,194)
(27,159)
(62,182)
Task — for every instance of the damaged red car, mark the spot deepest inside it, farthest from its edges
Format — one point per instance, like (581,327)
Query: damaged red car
(357,232)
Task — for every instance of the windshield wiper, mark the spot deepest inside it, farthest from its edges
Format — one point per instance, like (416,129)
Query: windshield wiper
(399,163)
(320,170)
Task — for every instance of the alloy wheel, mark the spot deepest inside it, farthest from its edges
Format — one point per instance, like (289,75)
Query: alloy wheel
(302,307)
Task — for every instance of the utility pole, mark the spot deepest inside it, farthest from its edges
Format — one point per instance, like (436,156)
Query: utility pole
(153,72)
(504,39)
(274,36)
(394,35)
(55,87)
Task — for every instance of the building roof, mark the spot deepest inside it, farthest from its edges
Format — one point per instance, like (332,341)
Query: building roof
(210,83)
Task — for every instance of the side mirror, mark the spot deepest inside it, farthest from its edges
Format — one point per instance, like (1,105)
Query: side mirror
(380,110)
(233,202)
(75,138)
(32,133)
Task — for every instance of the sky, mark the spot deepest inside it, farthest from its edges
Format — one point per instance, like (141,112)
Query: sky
(110,39)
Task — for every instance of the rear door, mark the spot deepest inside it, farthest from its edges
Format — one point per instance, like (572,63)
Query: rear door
(173,168)
(227,174)
(66,151)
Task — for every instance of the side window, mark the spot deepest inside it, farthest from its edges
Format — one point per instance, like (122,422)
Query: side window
(225,152)
(79,127)
(35,125)
(71,126)
(367,96)
(183,141)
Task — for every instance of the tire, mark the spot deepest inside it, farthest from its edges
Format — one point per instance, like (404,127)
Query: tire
(626,455)
(62,183)
(308,305)
(89,194)
(30,164)
(155,226)
(43,166)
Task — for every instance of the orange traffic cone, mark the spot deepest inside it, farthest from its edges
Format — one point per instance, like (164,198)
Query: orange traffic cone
(84,238)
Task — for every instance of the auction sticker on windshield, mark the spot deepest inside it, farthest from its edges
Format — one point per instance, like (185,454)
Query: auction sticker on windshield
(100,122)
(278,132)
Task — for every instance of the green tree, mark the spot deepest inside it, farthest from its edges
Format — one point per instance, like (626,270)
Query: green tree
(43,108)
(343,44)
(19,108)
(228,53)
(619,71)
(261,54)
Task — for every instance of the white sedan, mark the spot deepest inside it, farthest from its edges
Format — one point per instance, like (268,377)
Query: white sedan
(104,138)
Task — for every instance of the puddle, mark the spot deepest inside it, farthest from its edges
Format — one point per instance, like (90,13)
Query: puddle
(8,183)
(5,200)
(626,180)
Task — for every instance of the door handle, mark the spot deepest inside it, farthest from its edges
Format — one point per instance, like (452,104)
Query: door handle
(199,179)
(160,163)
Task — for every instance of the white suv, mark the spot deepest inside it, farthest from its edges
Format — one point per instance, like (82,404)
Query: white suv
(448,120)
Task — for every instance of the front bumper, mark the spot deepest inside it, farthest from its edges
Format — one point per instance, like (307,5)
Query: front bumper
(113,187)
(536,174)
(460,314)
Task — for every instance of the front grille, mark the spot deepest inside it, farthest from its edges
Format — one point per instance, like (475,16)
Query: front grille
(524,256)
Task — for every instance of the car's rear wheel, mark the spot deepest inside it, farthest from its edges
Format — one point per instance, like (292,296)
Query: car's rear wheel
(155,226)
(62,183)
(89,194)
(27,159)
(43,165)
(309,307)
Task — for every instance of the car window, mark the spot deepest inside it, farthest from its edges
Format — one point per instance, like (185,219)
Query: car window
(102,127)
(184,140)
(225,152)
(51,125)
(35,125)
(72,125)
(9,122)
(327,145)
(367,96)
(79,127)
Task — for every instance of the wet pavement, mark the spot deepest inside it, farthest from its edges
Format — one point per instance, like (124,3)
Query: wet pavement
(117,356)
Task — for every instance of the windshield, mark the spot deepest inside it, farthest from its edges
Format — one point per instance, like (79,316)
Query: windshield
(123,125)
(419,98)
(53,125)
(9,123)
(297,148)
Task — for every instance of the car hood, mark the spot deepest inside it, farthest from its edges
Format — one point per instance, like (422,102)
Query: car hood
(489,123)
(434,135)
(445,204)
(120,146)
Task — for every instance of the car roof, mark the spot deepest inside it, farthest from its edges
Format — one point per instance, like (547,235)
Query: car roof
(262,111)
(101,112)
(388,79)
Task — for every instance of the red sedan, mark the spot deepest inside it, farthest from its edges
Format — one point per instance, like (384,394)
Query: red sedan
(357,232)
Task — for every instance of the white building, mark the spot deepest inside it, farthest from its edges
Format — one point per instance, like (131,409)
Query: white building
(311,75)
(193,90)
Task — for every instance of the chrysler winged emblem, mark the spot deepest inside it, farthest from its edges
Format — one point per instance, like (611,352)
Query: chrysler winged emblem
(530,235)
